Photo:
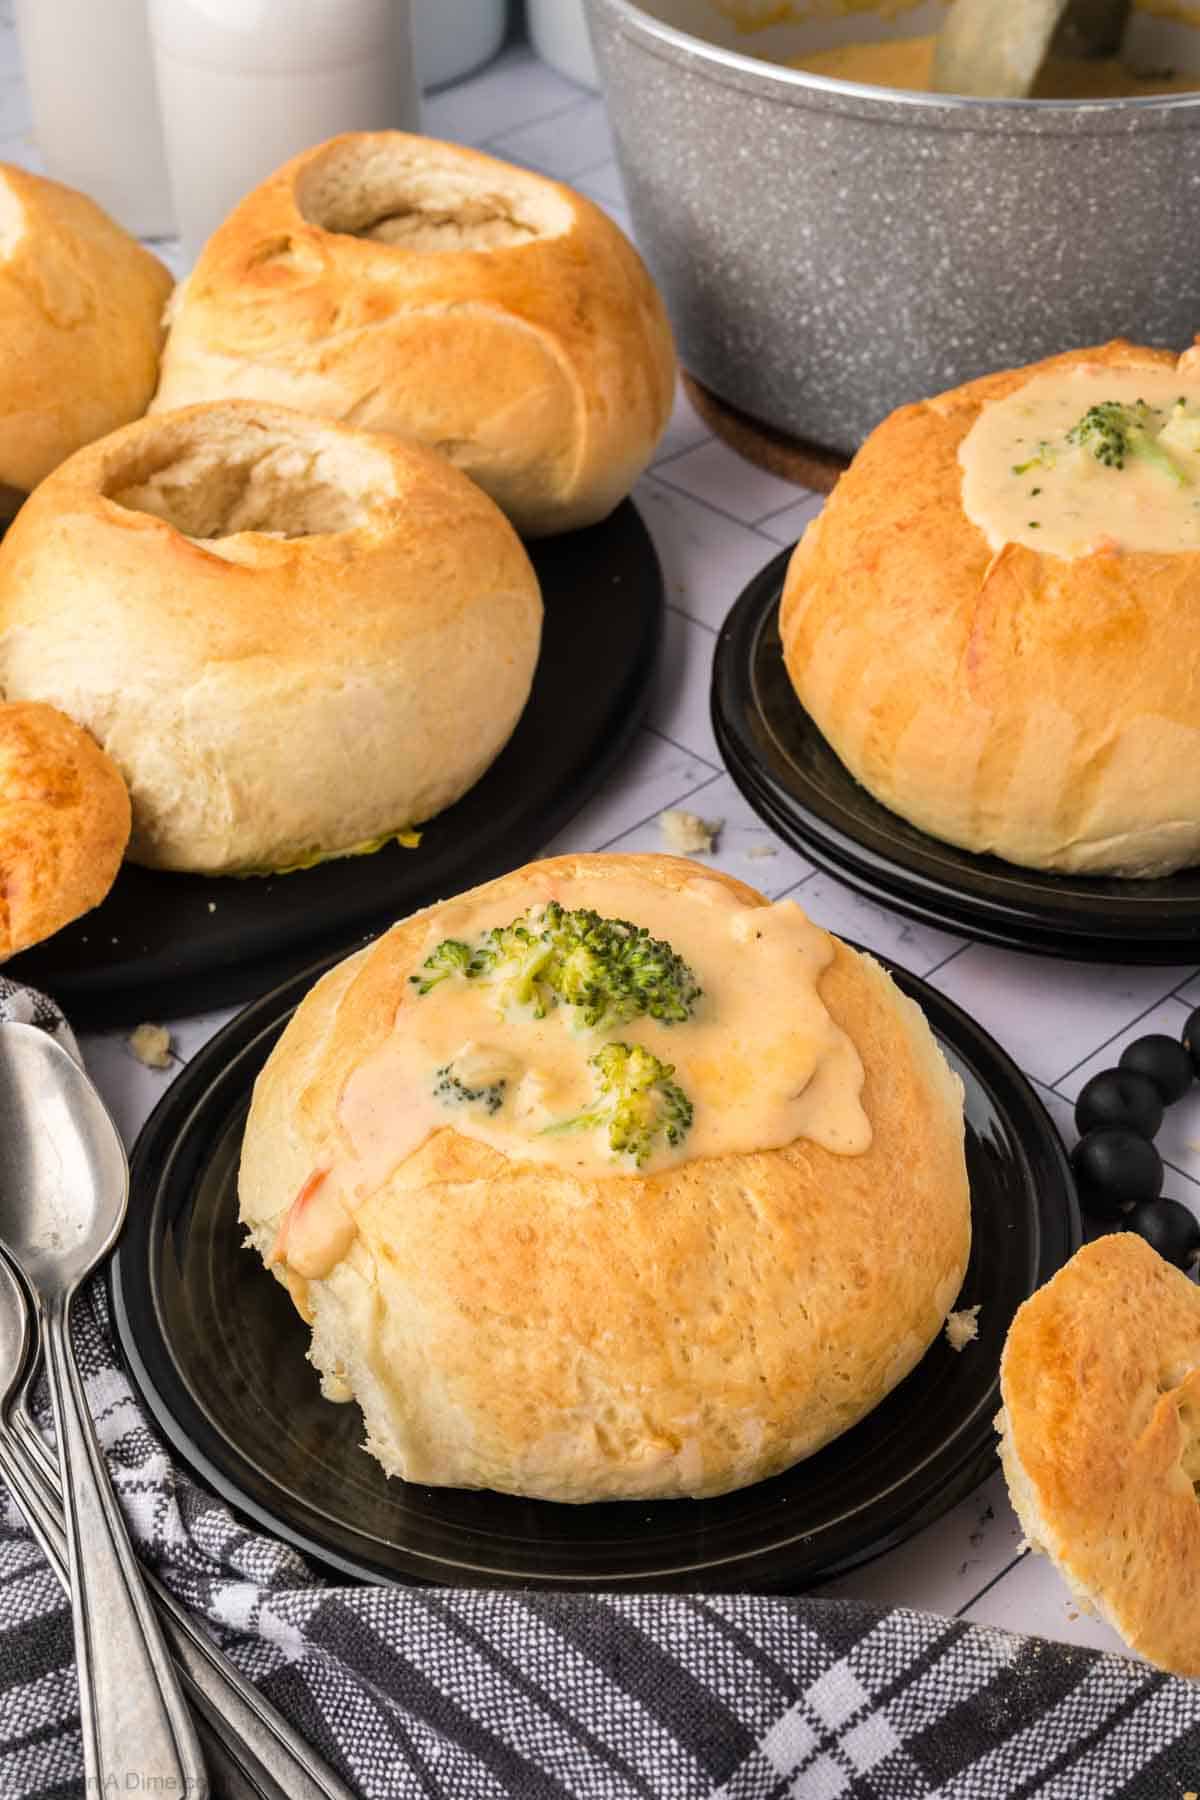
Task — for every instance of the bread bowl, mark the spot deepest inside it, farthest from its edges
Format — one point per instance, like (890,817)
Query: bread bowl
(81,328)
(294,639)
(515,1301)
(64,824)
(1100,1440)
(412,286)
(1001,642)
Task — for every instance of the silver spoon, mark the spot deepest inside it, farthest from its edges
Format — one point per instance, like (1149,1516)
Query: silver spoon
(994,48)
(64,1185)
(257,1743)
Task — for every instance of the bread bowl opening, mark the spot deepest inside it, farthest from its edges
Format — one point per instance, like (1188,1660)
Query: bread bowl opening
(426,198)
(214,476)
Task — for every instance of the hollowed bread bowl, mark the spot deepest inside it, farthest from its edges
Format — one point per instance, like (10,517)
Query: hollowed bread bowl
(423,288)
(510,1324)
(1033,705)
(292,638)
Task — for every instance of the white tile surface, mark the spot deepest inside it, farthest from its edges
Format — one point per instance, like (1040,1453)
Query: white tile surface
(917,947)
(707,557)
(741,844)
(943,1568)
(655,774)
(685,429)
(1051,1015)
(716,521)
(679,703)
(565,145)
(744,490)
(789,524)
(1032,1597)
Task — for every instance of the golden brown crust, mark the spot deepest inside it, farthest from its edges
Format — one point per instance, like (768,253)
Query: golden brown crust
(687,1332)
(543,366)
(81,307)
(270,696)
(64,824)
(1034,706)
(1100,1379)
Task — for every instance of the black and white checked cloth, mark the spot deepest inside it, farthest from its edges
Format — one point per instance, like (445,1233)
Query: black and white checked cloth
(464,1695)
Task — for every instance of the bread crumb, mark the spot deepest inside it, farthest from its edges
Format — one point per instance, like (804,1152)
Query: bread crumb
(962,1327)
(757,850)
(687,832)
(151,1044)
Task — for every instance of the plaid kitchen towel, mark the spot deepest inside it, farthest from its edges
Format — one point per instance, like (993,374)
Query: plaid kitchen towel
(440,1694)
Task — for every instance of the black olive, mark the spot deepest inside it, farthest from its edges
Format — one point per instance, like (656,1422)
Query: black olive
(1119,1097)
(1191,1038)
(1168,1227)
(1164,1060)
(1115,1168)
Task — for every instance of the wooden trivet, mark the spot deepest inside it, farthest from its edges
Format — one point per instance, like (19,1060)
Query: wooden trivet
(806,464)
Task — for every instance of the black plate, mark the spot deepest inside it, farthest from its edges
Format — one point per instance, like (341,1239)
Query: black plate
(164,944)
(793,779)
(219,1356)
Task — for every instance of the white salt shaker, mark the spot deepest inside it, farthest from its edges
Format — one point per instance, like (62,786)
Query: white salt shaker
(559,31)
(90,76)
(454,37)
(245,84)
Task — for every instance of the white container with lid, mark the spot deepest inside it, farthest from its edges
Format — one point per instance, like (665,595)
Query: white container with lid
(559,31)
(453,37)
(245,84)
(90,76)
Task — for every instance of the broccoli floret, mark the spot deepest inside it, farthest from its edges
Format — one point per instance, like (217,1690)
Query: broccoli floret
(614,971)
(517,962)
(636,1100)
(608,970)
(450,958)
(452,1091)
(1114,432)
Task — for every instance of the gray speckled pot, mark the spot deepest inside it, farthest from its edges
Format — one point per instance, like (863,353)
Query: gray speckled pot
(828,251)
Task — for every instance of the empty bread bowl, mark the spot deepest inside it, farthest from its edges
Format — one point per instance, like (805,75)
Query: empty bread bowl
(417,287)
(294,639)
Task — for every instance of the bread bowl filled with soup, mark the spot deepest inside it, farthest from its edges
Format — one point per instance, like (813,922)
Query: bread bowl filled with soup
(995,621)
(609,1180)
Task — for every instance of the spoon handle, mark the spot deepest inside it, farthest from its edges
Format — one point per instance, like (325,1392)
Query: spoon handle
(136,1729)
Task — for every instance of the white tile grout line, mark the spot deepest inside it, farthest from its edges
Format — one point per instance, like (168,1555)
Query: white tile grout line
(712,630)
(988,1585)
(717,769)
(688,794)
(1112,1038)
(719,511)
(496,138)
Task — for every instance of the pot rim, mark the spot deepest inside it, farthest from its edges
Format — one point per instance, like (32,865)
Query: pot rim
(795,87)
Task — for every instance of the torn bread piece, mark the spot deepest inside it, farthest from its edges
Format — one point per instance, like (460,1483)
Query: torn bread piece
(1100,1441)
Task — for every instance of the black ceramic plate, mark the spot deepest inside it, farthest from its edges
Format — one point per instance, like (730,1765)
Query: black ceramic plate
(162,944)
(793,779)
(219,1355)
